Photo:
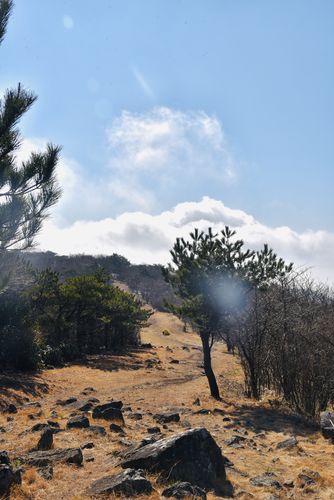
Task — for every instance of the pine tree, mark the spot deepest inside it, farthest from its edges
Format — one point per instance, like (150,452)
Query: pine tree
(27,189)
(212,274)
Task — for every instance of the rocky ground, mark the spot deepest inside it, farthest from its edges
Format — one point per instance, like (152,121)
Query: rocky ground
(133,425)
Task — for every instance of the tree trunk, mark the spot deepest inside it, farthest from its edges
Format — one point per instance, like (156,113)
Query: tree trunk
(208,367)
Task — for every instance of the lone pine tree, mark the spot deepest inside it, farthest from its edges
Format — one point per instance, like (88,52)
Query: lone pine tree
(212,274)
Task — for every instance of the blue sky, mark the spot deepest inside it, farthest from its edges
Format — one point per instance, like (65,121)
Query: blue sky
(159,102)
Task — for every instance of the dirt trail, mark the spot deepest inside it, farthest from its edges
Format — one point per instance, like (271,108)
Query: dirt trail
(166,377)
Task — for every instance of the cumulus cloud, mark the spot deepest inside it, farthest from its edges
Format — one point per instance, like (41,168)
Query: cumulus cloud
(167,151)
(142,237)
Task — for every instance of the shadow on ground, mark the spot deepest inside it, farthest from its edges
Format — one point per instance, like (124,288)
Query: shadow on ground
(133,359)
(27,384)
(260,418)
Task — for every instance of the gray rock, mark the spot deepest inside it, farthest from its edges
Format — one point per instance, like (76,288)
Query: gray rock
(46,440)
(66,402)
(184,490)
(166,418)
(291,442)
(60,455)
(85,405)
(266,480)
(128,483)
(78,422)
(109,411)
(98,430)
(153,430)
(191,456)
(235,441)
(87,446)
(135,416)
(117,428)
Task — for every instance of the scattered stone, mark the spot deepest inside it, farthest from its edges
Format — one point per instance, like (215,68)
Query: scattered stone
(129,483)
(46,440)
(11,408)
(288,483)
(97,429)
(235,441)
(174,361)
(4,458)
(185,348)
(266,480)
(78,422)
(307,477)
(88,390)
(197,402)
(89,458)
(154,430)
(184,490)
(166,418)
(87,446)
(53,424)
(85,405)
(46,472)
(289,443)
(226,419)
(135,416)
(146,345)
(191,456)
(218,411)
(44,458)
(117,428)
(202,411)
(109,411)
(66,402)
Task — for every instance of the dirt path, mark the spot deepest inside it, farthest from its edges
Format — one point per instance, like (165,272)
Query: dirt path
(166,377)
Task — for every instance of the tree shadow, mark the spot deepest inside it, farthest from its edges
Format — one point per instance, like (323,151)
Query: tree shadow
(261,418)
(17,387)
(131,359)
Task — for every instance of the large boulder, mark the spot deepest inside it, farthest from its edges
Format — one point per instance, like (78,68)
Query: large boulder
(191,456)
(49,457)
(128,483)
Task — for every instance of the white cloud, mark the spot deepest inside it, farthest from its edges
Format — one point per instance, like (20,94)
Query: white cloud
(142,237)
(168,153)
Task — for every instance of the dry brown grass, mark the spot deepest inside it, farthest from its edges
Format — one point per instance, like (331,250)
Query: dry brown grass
(166,386)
